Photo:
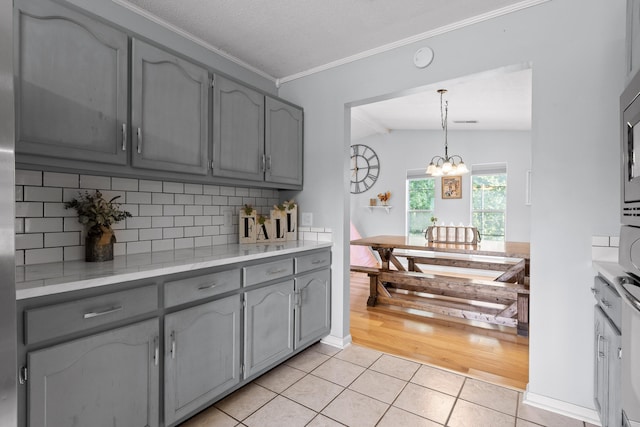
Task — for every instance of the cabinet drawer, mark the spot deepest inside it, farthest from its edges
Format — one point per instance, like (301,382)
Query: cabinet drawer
(313,261)
(268,271)
(611,303)
(195,288)
(61,319)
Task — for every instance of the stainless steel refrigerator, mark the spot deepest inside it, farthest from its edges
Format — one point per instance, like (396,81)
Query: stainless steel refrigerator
(8,369)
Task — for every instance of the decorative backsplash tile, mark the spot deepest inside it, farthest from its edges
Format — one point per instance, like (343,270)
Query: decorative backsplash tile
(605,248)
(166,215)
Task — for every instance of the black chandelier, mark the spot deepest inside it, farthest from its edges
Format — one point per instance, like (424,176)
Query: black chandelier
(446,165)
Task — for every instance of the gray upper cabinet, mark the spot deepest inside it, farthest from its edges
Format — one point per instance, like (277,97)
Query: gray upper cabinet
(283,143)
(238,131)
(202,355)
(103,380)
(169,112)
(71,85)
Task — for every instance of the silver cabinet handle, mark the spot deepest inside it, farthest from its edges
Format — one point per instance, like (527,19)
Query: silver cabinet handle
(595,291)
(139,141)
(605,303)
(318,261)
(269,163)
(264,162)
(272,272)
(205,287)
(173,344)
(124,137)
(104,312)
(156,351)
(600,352)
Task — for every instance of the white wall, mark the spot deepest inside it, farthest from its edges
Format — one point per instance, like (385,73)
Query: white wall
(402,150)
(577,52)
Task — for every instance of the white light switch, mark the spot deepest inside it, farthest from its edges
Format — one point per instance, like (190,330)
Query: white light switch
(307,219)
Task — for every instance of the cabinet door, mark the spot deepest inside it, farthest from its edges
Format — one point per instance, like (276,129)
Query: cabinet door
(169,112)
(238,131)
(283,143)
(202,355)
(613,345)
(268,326)
(600,364)
(71,85)
(103,380)
(313,307)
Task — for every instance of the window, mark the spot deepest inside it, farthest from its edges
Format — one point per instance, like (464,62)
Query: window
(489,202)
(420,204)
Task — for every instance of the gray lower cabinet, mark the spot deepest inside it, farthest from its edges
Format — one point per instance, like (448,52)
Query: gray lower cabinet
(268,326)
(312,308)
(71,85)
(238,131)
(202,355)
(103,380)
(169,112)
(283,143)
(607,370)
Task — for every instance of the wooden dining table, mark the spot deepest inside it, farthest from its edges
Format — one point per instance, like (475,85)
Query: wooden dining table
(506,298)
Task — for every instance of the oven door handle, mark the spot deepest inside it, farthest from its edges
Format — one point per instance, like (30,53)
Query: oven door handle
(628,296)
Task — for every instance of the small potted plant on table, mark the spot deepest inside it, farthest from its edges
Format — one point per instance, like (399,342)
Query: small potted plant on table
(97,215)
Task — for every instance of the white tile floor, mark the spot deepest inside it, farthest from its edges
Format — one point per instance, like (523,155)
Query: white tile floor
(359,387)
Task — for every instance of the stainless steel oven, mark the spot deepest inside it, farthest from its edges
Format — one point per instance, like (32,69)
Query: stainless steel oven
(630,112)
(629,290)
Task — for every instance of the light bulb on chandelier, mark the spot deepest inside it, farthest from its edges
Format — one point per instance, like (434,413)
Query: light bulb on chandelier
(446,165)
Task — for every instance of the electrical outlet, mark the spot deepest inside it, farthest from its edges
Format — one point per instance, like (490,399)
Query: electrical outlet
(307,219)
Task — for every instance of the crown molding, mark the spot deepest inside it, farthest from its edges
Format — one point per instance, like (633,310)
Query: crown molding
(413,39)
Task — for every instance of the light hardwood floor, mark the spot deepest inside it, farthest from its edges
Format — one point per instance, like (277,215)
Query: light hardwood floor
(492,354)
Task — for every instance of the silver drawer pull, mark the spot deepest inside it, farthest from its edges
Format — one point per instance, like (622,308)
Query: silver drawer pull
(272,272)
(605,303)
(124,137)
(595,291)
(205,287)
(318,261)
(110,310)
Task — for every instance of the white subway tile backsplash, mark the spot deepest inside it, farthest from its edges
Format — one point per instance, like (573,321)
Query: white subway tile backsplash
(150,210)
(71,238)
(42,256)
(26,177)
(42,194)
(614,241)
(139,222)
(161,221)
(162,199)
(183,221)
(152,186)
(173,187)
(166,215)
(161,245)
(92,182)
(173,210)
(193,188)
(184,199)
(600,241)
(29,209)
(52,209)
(42,225)
(126,184)
(183,243)
(29,241)
(139,197)
(150,234)
(54,179)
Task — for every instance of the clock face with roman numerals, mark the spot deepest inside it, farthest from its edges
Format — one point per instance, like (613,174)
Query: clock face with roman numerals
(365,168)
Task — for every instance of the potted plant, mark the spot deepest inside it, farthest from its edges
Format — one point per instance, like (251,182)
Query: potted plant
(97,215)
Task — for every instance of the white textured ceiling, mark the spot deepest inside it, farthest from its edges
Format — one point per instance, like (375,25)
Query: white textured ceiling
(285,37)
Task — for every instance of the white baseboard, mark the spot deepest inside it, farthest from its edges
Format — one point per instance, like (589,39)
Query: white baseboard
(561,407)
(337,341)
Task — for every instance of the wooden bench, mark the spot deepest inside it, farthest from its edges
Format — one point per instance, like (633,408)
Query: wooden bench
(373,274)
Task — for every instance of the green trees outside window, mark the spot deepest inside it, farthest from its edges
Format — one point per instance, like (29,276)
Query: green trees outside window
(489,205)
(421,204)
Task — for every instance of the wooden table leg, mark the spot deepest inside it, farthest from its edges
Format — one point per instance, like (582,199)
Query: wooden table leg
(523,315)
(373,289)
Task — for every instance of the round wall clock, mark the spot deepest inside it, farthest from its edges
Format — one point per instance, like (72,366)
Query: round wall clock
(365,168)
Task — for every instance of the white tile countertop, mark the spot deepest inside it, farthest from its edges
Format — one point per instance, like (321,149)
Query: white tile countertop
(57,277)
(608,270)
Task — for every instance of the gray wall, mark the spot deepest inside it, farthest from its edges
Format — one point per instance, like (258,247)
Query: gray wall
(400,151)
(576,49)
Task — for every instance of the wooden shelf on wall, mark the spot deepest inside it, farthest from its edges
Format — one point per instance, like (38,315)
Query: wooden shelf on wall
(387,208)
